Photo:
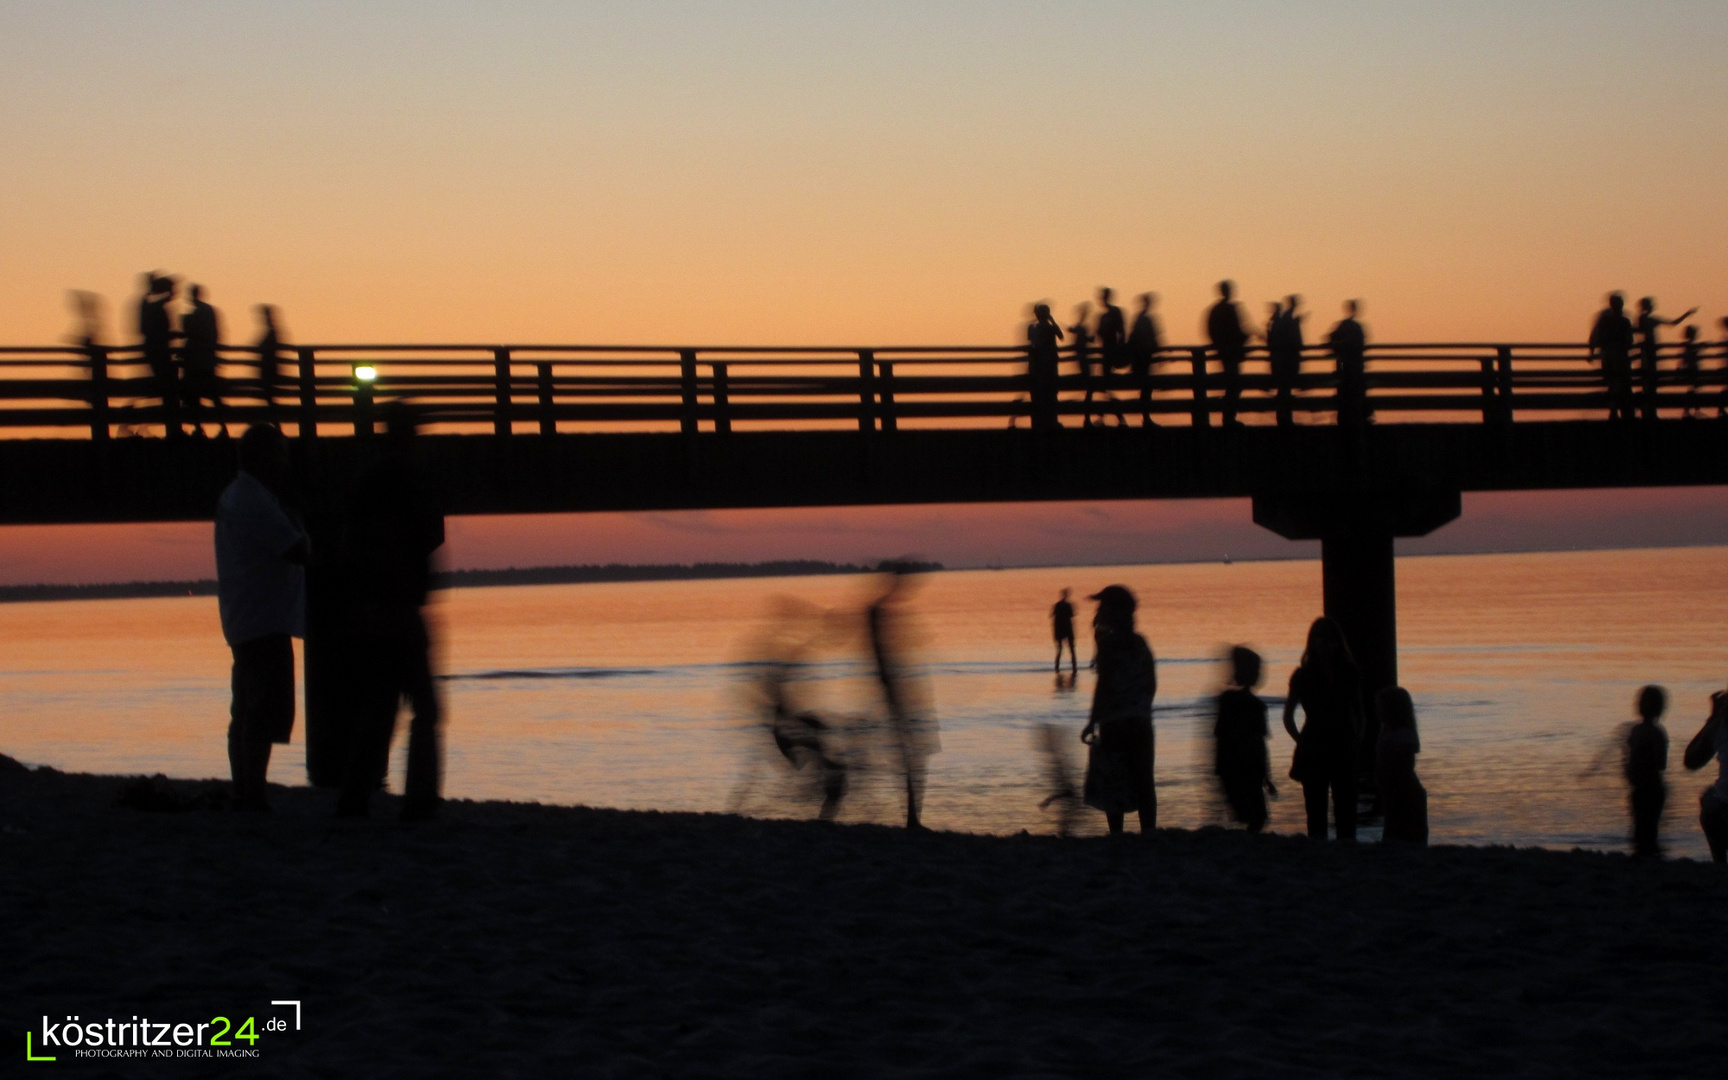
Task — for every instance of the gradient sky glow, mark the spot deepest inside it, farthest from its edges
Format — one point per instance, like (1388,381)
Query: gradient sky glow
(860,173)
(866,173)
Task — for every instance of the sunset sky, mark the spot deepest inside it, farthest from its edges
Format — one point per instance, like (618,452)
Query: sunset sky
(866,173)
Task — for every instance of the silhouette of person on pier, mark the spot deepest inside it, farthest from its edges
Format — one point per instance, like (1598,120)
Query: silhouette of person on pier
(1722,373)
(1691,367)
(156,334)
(87,311)
(1349,344)
(1111,334)
(1284,351)
(1239,733)
(1611,346)
(912,730)
(1062,627)
(1145,342)
(269,359)
(201,333)
(1403,799)
(1229,340)
(1650,351)
(1042,363)
(261,553)
(1327,688)
(1080,338)
(1646,761)
(1712,742)
(1119,730)
(395,524)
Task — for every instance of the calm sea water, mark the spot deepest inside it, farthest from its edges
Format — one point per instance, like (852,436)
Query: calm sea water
(637,695)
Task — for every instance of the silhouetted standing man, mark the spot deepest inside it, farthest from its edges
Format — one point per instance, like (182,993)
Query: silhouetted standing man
(1611,346)
(1349,344)
(1112,331)
(1722,394)
(394,527)
(1229,345)
(1650,350)
(201,330)
(1144,344)
(1284,347)
(269,359)
(261,594)
(156,331)
(1080,334)
(1042,361)
(1062,626)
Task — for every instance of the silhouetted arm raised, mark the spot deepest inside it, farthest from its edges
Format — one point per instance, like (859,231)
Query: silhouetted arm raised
(1703,745)
(1290,697)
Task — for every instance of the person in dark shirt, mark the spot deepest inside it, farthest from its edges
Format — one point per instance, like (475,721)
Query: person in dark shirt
(1611,346)
(1691,368)
(1080,337)
(1722,373)
(156,331)
(1327,687)
(269,360)
(1349,344)
(1229,344)
(1042,361)
(1119,731)
(1144,344)
(394,526)
(1646,762)
(1239,742)
(1284,350)
(1650,351)
(201,330)
(1062,626)
(1111,334)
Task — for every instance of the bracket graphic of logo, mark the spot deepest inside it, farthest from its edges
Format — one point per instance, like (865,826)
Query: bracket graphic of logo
(30,1054)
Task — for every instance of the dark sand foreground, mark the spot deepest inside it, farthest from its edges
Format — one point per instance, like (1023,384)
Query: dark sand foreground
(537,941)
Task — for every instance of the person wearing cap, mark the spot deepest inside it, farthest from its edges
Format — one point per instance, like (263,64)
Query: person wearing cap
(1119,731)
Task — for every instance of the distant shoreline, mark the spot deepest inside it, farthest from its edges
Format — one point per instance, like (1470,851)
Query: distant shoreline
(468,579)
(625,572)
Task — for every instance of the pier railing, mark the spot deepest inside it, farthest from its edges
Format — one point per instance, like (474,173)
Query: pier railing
(515,390)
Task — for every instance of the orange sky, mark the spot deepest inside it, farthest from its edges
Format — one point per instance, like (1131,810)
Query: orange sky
(868,173)
(856,174)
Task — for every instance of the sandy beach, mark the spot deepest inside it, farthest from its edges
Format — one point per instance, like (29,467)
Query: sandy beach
(525,940)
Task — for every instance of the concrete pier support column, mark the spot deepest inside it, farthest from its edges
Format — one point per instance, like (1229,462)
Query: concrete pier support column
(1358,575)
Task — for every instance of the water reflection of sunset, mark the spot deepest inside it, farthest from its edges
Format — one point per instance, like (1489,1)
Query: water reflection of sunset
(625,695)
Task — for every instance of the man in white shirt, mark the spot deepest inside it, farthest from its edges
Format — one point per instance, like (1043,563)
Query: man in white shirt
(261,591)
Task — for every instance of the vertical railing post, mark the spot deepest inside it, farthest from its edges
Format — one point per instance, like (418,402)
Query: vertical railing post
(687,382)
(308,395)
(1490,392)
(98,392)
(885,395)
(722,400)
(501,415)
(1197,359)
(866,390)
(548,422)
(1503,383)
